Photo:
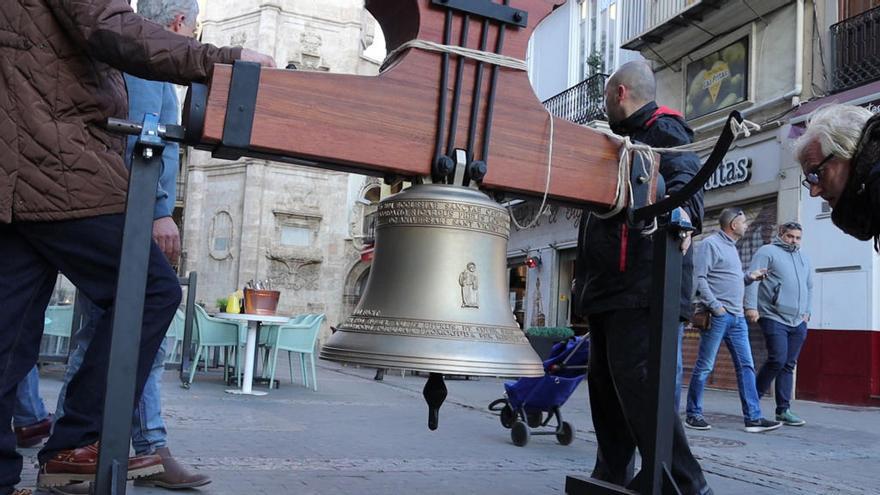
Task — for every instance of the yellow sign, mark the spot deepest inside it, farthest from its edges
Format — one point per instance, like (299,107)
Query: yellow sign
(717,80)
(712,79)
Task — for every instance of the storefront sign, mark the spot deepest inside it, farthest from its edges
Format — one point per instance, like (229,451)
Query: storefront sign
(730,173)
(718,80)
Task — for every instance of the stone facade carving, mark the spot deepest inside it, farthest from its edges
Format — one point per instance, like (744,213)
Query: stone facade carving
(331,32)
(238,38)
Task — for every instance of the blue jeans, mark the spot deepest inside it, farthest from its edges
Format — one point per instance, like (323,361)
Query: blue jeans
(147,427)
(29,407)
(783,347)
(735,333)
(678,370)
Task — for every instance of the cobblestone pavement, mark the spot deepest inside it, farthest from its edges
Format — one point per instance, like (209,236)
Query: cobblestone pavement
(357,435)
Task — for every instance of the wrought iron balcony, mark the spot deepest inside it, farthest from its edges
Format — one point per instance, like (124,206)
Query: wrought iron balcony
(581,103)
(855,50)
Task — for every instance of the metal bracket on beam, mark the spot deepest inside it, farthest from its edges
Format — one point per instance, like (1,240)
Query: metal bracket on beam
(487,9)
(240,107)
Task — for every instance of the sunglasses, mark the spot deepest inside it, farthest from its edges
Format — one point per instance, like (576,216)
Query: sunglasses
(813,178)
(791,226)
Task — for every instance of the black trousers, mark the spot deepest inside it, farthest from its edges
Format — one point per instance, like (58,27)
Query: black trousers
(618,393)
(87,252)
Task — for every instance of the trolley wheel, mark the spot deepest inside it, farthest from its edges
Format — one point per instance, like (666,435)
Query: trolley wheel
(519,433)
(566,434)
(507,416)
(534,418)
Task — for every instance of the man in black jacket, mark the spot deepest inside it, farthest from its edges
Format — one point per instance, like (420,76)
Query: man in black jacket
(613,289)
(840,156)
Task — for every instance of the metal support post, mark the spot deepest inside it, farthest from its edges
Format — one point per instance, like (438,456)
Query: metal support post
(128,308)
(186,346)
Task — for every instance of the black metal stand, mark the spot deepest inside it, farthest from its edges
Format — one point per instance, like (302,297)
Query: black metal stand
(128,308)
(186,347)
(657,451)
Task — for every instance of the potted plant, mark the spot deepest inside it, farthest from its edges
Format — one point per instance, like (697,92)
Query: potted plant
(543,338)
(221,304)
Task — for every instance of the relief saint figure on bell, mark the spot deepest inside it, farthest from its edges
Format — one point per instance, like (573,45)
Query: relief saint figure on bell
(469,285)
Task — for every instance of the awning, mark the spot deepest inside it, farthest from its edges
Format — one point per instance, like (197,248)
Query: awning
(864,95)
(367,253)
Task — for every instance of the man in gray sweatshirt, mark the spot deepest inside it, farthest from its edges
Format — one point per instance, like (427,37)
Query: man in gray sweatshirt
(720,286)
(781,305)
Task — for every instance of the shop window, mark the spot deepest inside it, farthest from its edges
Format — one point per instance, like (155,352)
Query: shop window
(517,272)
(761,217)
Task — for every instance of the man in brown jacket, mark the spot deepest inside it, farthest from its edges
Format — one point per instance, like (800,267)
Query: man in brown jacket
(62,192)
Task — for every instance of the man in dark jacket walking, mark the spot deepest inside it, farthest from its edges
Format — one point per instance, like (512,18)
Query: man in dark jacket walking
(62,194)
(613,289)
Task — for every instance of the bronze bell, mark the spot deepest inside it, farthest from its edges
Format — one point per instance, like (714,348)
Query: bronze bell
(437,300)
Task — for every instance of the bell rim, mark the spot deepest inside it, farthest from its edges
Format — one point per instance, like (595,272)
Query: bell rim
(433,364)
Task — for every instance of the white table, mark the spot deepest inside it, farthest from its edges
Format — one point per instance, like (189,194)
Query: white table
(254,322)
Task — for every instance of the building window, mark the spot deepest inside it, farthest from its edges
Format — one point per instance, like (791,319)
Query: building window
(599,39)
(221,235)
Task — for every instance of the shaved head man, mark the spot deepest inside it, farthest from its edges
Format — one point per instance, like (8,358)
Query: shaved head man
(628,89)
(612,288)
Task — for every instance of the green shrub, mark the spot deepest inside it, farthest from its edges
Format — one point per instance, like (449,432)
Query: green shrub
(550,332)
(221,304)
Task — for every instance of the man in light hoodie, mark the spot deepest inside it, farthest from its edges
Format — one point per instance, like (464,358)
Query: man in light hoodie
(781,305)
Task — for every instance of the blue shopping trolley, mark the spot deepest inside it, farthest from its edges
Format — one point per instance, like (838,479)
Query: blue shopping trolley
(528,399)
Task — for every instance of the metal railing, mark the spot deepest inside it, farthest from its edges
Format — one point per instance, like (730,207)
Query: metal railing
(855,50)
(641,16)
(581,103)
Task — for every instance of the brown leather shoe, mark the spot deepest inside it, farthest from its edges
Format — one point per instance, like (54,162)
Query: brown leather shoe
(80,464)
(175,477)
(32,435)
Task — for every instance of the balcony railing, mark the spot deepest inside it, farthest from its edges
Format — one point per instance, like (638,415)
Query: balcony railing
(581,103)
(640,17)
(855,51)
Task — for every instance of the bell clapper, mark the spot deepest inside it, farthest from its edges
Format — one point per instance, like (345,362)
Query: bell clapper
(434,393)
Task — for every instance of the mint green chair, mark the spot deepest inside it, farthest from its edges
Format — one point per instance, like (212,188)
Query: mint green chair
(297,338)
(215,332)
(267,335)
(58,322)
(175,333)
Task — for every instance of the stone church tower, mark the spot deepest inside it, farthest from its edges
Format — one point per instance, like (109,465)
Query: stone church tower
(298,227)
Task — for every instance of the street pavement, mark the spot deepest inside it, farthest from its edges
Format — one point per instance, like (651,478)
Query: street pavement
(356,435)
